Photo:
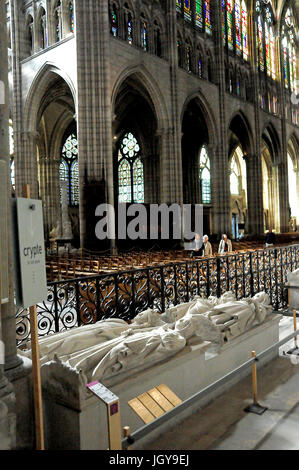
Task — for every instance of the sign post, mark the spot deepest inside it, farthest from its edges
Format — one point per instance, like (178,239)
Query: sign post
(113,413)
(31,285)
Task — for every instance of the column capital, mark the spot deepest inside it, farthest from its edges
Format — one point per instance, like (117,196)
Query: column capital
(31,135)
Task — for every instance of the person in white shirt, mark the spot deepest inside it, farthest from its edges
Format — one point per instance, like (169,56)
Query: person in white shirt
(225,245)
(202,249)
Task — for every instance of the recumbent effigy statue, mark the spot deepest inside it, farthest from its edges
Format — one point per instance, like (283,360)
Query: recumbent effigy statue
(111,347)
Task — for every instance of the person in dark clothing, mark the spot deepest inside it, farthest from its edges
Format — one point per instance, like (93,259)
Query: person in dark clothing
(270,238)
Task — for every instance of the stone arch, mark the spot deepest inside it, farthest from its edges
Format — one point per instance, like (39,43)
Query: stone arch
(50,105)
(208,113)
(145,79)
(196,115)
(37,90)
(271,138)
(239,125)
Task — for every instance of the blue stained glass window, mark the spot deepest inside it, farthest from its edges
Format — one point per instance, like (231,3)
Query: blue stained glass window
(114,21)
(69,169)
(130,171)
(144,35)
(72,18)
(205,176)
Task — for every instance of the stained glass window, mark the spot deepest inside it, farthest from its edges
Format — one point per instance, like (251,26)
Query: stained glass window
(208,24)
(266,38)
(187,10)
(224,21)
(130,29)
(198,13)
(229,6)
(179,5)
(199,66)
(58,23)
(72,18)
(244,31)
(114,21)
(144,34)
(289,52)
(205,176)
(130,171)
(69,169)
(260,43)
(188,57)
(235,26)
(238,26)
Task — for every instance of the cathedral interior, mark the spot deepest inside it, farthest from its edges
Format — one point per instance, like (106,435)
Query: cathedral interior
(145,103)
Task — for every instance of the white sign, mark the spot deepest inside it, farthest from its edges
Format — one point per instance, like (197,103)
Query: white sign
(31,279)
(102,392)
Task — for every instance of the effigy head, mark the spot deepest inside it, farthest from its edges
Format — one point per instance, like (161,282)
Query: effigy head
(262,297)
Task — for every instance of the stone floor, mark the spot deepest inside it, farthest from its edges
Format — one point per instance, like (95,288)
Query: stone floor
(224,425)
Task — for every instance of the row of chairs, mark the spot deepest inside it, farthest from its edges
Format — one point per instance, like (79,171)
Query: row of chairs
(82,263)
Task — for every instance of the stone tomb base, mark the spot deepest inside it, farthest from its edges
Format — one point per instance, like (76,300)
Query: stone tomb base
(76,420)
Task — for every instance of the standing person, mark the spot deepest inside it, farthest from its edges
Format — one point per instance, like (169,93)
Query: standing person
(270,238)
(198,246)
(225,245)
(207,247)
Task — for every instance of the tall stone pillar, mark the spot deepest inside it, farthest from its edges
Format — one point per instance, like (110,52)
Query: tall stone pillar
(297,192)
(94,107)
(14,387)
(220,164)
(255,183)
(171,181)
(7,397)
(255,221)
(283,190)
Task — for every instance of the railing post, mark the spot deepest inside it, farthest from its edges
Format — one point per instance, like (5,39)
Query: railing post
(243,275)
(208,279)
(175,285)
(116,292)
(56,309)
(133,300)
(251,275)
(162,290)
(218,277)
(187,284)
(78,302)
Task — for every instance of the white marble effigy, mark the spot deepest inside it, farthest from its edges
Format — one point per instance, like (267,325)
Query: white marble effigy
(197,342)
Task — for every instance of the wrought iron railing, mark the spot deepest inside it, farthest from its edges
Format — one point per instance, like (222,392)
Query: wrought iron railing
(124,294)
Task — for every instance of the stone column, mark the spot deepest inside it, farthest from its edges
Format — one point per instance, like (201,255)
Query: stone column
(283,190)
(94,108)
(171,181)
(7,334)
(297,192)
(255,224)
(18,396)
(255,186)
(220,163)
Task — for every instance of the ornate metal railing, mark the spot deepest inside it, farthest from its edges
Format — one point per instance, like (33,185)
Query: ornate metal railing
(124,294)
